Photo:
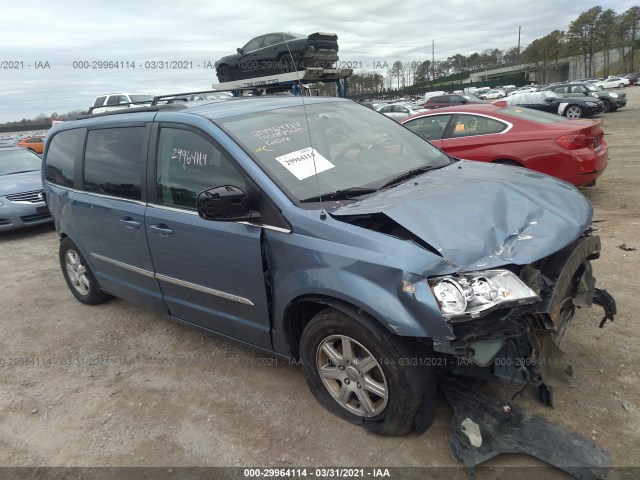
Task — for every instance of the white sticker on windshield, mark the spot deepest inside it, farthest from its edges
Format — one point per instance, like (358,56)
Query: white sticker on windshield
(561,108)
(300,162)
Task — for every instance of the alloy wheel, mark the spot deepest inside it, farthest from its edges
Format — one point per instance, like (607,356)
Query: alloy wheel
(352,375)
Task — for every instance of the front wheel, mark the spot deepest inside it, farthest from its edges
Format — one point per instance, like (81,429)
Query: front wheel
(78,276)
(366,375)
(607,106)
(574,111)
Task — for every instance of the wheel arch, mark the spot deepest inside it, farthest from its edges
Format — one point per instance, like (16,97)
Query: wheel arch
(508,161)
(300,311)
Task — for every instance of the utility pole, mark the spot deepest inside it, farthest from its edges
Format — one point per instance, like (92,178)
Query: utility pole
(433,61)
(518,57)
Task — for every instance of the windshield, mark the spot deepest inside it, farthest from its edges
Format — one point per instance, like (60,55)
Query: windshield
(590,87)
(352,147)
(16,161)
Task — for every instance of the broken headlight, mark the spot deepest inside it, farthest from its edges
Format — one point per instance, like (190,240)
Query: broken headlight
(472,295)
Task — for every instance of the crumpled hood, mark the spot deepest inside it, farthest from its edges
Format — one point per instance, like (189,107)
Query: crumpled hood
(20,183)
(481,216)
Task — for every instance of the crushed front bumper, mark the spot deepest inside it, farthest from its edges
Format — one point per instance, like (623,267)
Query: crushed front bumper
(522,345)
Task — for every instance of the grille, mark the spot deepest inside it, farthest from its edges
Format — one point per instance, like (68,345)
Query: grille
(36,196)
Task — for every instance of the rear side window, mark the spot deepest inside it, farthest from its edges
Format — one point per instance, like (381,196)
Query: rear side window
(60,156)
(114,160)
(117,100)
(469,125)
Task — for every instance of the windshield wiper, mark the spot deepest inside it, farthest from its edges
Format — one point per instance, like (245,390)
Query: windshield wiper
(410,174)
(340,194)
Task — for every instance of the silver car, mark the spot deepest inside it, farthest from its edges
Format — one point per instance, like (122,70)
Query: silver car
(21,195)
(399,111)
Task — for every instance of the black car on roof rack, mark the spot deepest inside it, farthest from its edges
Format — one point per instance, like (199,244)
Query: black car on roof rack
(279,52)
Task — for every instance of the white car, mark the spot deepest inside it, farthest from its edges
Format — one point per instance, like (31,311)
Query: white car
(523,90)
(612,82)
(493,93)
(116,101)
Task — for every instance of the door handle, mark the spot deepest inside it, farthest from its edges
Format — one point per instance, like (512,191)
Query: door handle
(161,229)
(130,222)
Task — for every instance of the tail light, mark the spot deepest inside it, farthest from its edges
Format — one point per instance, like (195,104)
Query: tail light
(575,141)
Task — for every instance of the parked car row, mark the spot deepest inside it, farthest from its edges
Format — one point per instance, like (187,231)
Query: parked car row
(611,100)
(547,101)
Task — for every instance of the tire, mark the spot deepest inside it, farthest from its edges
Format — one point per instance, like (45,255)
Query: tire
(574,111)
(224,74)
(621,85)
(78,276)
(607,105)
(500,96)
(387,393)
(286,64)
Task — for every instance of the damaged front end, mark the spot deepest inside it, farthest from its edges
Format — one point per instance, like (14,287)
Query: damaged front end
(521,344)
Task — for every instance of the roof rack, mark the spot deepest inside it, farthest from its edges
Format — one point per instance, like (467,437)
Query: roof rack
(145,108)
(178,97)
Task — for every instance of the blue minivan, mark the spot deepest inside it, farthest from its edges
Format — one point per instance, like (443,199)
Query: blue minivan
(322,231)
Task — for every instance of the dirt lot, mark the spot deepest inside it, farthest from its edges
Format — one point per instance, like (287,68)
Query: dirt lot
(114,385)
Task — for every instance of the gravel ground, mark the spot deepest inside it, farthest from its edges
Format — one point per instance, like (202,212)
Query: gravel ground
(115,385)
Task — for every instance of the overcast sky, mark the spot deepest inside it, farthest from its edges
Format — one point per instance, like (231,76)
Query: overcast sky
(58,33)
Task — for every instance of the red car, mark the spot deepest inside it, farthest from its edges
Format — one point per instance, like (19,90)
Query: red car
(572,150)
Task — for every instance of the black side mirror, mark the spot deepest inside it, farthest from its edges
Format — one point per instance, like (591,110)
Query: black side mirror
(226,204)
(239,50)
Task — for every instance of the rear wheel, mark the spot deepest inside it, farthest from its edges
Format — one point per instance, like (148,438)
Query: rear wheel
(224,74)
(78,276)
(286,64)
(366,375)
(574,111)
(621,85)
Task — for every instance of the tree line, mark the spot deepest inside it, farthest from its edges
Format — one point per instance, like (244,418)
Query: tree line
(43,119)
(596,30)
